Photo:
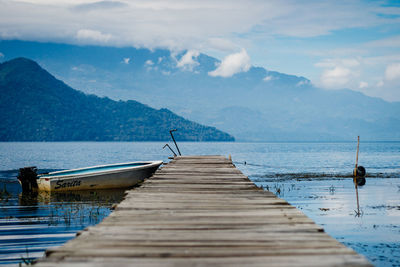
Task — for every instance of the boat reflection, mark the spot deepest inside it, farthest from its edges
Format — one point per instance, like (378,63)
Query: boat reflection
(105,197)
(32,222)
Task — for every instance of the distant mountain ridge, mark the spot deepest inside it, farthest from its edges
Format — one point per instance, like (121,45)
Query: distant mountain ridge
(257,105)
(35,106)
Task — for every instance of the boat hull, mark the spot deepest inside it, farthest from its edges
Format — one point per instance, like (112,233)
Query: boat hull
(83,179)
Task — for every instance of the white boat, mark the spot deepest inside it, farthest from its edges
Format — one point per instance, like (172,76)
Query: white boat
(118,175)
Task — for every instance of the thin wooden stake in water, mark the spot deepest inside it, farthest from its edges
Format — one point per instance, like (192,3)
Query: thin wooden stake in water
(355,177)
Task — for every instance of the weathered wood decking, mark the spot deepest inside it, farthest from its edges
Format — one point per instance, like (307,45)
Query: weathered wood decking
(202,211)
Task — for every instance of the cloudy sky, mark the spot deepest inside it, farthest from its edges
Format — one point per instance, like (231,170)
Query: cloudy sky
(336,44)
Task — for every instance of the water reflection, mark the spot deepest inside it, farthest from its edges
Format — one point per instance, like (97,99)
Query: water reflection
(316,177)
(101,197)
(32,222)
(331,202)
(28,199)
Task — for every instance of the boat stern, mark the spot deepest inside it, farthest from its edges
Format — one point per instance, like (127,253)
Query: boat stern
(44,184)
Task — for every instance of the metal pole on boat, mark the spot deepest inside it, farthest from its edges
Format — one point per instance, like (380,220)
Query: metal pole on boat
(170,132)
(166,145)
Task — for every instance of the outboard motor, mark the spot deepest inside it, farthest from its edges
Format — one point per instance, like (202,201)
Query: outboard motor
(28,178)
(360,175)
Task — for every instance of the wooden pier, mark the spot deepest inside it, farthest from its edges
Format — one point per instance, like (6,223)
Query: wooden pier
(202,211)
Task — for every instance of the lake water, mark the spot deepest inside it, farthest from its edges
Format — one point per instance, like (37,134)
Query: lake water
(315,177)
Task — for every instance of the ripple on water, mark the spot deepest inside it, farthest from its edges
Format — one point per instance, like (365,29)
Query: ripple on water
(33,223)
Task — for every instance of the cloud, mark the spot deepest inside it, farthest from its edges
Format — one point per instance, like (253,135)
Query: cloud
(187,61)
(232,64)
(149,63)
(126,60)
(392,72)
(363,85)
(92,36)
(107,5)
(268,78)
(344,62)
(336,77)
(339,73)
(278,34)
(171,23)
(222,44)
(303,83)
(393,41)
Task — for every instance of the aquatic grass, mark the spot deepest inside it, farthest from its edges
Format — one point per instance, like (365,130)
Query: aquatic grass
(324,209)
(53,218)
(67,217)
(4,193)
(310,176)
(262,186)
(73,214)
(332,190)
(28,260)
(358,213)
(279,189)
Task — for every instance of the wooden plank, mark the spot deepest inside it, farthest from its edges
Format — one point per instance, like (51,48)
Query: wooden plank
(273,261)
(201,210)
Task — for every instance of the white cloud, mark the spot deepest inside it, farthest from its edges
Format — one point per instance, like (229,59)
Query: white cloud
(149,63)
(339,73)
(232,64)
(336,77)
(187,61)
(268,78)
(388,90)
(303,82)
(221,44)
(393,41)
(344,62)
(350,62)
(91,36)
(107,5)
(363,85)
(267,29)
(392,72)
(170,23)
(84,68)
(126,60)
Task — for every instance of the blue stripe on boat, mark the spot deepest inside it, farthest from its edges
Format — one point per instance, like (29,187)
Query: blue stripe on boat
(95,169)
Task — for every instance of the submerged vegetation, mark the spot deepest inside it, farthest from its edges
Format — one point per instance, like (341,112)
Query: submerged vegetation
(329,199)
(38,221)
(4,194)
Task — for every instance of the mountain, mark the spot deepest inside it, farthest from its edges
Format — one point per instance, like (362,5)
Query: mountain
(257,105)
(35,106)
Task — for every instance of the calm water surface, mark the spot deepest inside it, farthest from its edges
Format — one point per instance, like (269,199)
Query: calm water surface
(315,177)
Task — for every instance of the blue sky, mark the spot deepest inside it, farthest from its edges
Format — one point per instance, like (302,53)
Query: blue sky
(336,44)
